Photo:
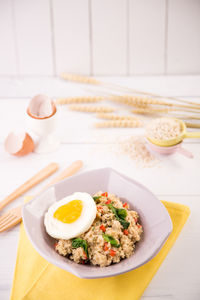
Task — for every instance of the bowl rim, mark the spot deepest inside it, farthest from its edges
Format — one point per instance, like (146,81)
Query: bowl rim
(70,269)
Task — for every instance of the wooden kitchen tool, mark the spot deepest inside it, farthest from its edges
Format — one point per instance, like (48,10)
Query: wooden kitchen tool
(14,216)
(37,178)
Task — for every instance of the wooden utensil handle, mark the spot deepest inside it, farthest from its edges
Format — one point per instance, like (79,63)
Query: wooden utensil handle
(192,125)
(41,175)
(192,135)
(69,171)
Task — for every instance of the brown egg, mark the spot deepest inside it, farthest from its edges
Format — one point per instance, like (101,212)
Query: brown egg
(19,144)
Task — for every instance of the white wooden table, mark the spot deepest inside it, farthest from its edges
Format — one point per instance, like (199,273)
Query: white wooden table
(176,178)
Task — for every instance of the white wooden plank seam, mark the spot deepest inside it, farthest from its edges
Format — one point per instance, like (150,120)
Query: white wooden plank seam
(109,28)
(127,39)
(7,49)
(52,37)
(90,38)
(15,37)
(72,46)
(33,35)
(166,36)
(183,37)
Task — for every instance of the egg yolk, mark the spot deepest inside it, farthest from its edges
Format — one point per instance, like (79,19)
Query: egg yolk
(69,212)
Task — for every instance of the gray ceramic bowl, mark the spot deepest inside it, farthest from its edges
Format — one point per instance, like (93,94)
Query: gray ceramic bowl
(154,219)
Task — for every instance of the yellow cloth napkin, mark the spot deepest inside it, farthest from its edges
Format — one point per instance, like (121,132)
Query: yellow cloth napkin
(36,279)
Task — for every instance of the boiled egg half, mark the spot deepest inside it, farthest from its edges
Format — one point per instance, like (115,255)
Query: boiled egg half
(70,216)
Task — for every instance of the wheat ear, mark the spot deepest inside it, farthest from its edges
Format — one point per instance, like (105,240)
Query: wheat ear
(162,111)
(90,80)
(114,117)
(92,109)
(135,101)
(150,111)
(167,112)
(71,100)
(79,78)
(143,102)
(119,124)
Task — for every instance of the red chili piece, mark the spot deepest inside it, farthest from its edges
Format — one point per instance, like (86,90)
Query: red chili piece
(85,255)
(105,247)
(99,207)
(108,201)
(125,231)
(139,226)
(55,245)
(104,194)
(112,252)
(103,228)
(125,204)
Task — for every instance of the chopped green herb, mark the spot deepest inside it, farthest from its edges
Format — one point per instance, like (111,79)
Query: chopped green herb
(78,242)
(111,240)
(124,223)
(112,208)
(120,215)
(96,198)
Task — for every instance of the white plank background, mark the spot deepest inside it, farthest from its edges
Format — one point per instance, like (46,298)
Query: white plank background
(99,37)
(8,59)
(109,37)
(183,36)
(33,35)
(72,35)
(175,179)
(147,36)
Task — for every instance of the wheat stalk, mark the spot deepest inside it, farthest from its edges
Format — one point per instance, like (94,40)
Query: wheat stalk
(83,99)
(90,80)
(119,124)
(79,78)
(92,109)
(143,102)
(135,101)
(150,111)
(188,117)
(164,111)
(133,91)
(107,116)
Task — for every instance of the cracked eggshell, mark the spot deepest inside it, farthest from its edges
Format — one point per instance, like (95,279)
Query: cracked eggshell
(19,144)
(41,106)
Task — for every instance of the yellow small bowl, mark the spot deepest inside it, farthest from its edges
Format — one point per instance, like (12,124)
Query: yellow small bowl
(171,142)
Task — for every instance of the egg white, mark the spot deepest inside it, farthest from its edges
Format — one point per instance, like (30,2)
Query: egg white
(60,230)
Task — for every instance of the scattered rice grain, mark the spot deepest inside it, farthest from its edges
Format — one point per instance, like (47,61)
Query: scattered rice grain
(135,147)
